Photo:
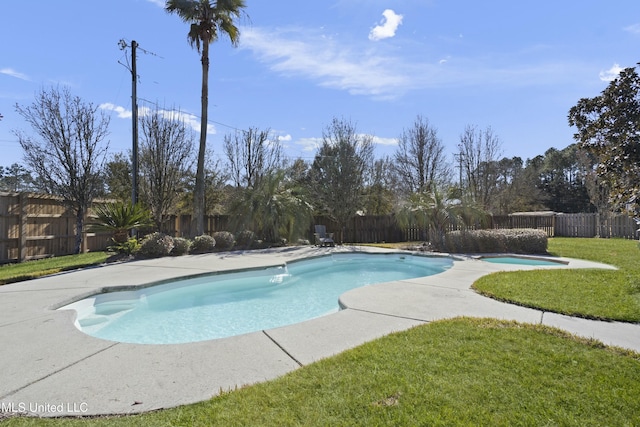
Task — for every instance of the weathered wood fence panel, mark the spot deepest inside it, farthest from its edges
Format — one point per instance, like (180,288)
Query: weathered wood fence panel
(182,226)
(592,225)
(576,225)
(617,226)
(36,226)
(547,223)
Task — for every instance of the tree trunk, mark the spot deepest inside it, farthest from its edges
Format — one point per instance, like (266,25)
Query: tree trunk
(79,230)
(198,199)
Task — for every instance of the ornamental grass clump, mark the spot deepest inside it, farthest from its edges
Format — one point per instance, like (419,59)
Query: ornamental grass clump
(203,244)
(519,241)
(156,245)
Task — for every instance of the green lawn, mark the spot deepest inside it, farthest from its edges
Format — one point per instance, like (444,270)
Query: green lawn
(598,294)
(31,269)
(455,372)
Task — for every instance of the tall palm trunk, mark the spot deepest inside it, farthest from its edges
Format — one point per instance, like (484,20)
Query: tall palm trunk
(198,207)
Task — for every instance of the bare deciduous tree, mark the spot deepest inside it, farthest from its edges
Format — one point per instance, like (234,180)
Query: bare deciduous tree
(380,197)
(70,153)
(251,155)
(420,162)
(479,152)
(166,156)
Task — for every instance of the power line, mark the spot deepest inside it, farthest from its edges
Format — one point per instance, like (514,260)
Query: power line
(173,110)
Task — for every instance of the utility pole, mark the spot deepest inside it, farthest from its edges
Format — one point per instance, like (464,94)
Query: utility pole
(134,116)
(134,124)
(134,112)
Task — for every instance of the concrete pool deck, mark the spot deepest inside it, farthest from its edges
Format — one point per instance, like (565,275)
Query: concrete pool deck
(50,368)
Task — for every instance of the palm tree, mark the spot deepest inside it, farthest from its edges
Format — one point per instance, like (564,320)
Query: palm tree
(120,218)
(436,213)
(275,209)
(207,20)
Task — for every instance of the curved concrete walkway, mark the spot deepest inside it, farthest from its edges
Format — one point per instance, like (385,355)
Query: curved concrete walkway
(49,368)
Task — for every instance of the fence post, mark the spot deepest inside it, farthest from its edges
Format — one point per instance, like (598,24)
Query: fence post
(22,227)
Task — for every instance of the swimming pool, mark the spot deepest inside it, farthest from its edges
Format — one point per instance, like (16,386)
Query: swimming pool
(223,305)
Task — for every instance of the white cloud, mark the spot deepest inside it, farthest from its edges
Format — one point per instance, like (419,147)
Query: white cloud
(121,111)
(387,27)
(633,29)
(297,52)
(309,144)
(610,74)
(284,138)
(160,3)
(364,69)
(13,73)
(189,119)
(385,141)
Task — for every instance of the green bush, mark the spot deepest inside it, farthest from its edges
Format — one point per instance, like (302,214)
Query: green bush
(181,246)
(519,241)
(224,240)
(156,245)
(245,239)
(119,219)
(203,244)
(129,247)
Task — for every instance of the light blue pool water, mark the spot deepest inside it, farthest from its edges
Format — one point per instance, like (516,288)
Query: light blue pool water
(223,305)
(520,261)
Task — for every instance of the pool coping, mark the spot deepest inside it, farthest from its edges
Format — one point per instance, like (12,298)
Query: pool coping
(53,369)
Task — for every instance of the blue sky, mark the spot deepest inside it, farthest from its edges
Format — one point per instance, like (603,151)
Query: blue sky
(517,67)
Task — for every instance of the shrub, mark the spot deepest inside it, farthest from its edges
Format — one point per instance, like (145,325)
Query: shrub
(156,245)
(224,240)
(181,246)
(203,244)
(245,239)
(119,219)
(519,241)
(129,247)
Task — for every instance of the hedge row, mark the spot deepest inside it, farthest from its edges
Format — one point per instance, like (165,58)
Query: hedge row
(518,241)
(159,244)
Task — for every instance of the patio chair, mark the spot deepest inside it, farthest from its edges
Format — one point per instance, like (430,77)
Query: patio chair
(322,237)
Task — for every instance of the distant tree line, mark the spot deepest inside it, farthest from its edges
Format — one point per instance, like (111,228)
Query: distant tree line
(264,191)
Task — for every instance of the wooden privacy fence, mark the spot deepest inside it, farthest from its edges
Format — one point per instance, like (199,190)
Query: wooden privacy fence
(572,225)
(545,222)
(372,229)
(37,226)
(385,228)
(592,225)
(182,226)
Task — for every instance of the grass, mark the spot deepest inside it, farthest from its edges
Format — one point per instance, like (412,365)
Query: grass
(595,294)
(444,373)
(33,269)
